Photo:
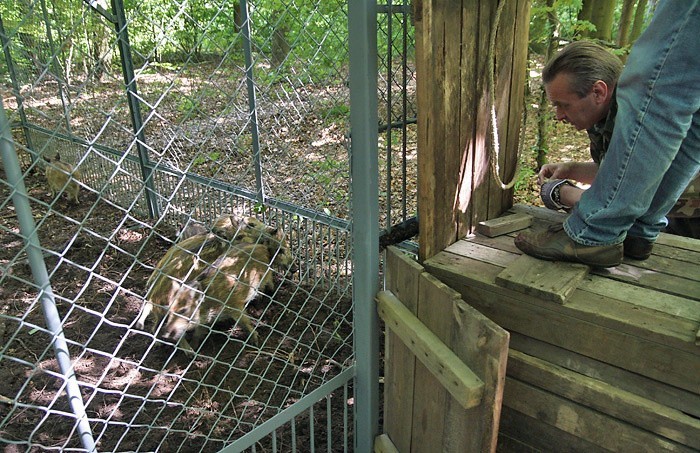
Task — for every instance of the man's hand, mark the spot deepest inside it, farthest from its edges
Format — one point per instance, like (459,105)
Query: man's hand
(583,172)
(561,170)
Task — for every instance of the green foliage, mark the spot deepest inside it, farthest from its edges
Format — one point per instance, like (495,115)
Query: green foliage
(525,175)
(203,159)
(259,208)
(334,112)
(566,12)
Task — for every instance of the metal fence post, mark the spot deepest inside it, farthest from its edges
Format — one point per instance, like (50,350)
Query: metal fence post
(134,105)
(362,23)
(20,199)
(252,106)
(16,87)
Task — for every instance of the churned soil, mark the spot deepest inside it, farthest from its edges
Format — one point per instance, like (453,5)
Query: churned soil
(140,392)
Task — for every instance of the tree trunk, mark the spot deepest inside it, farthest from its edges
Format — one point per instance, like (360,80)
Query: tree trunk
(542,116)
(625,22)
(602,18)
(586,12)
(638,25)
(280,46)
(585,15)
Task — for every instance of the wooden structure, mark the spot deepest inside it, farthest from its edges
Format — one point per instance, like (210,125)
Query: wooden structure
(453,61)
(611,362)
(596,360)
(438,384)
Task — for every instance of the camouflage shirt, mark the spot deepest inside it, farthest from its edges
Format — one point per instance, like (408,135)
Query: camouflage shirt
(687,206)
(601,132)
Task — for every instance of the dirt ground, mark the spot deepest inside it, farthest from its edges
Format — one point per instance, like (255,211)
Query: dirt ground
(141,393)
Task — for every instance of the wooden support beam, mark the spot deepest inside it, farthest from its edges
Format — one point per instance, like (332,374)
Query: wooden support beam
(453,374)
(605,398)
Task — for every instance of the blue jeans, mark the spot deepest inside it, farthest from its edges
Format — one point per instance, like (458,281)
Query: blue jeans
(654,151)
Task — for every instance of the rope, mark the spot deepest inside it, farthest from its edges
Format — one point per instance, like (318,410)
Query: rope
(495,151)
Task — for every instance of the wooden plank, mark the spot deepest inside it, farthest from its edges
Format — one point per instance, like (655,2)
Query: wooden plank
(670,269)
(637,384)
(434,205)
(453,374)
(482,344)
(383,444)
(581,421)
(573,329)
(451,135)
(554,281)
(681,242)
(501,251)
(521,433)
(402,278)
(504,224)
(501,62)
(482,184)
(469,172)
(539,213)
(606,398)
(432,400)
(638,311)
(516,127)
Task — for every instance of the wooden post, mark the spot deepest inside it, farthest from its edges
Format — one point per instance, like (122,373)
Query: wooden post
(456,187)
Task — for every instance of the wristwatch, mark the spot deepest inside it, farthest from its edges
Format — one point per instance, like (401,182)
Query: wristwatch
(549,192)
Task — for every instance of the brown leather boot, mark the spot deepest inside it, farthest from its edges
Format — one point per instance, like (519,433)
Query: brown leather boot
(637,248)
(554,244)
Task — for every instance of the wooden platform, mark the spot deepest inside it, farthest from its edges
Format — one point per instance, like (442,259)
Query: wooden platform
(610,361)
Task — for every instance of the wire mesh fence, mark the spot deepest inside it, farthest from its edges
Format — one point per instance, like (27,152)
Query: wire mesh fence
(164,115)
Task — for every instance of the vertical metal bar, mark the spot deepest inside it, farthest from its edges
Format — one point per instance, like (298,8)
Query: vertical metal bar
(362,23)
(147,169)
(27,227)
(389,116)
(312,431)
(53,59)
(345,417)
(404,111)
(15,88)
(252,103)
(329,425)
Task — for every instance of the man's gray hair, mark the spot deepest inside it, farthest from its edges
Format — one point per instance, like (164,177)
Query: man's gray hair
(586,62)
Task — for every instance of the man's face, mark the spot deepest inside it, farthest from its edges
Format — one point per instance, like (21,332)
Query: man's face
(582,113)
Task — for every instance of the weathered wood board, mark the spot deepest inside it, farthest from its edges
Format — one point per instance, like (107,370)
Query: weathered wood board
(425,416)
(383,444)
(456,377)
(660,392)
(457,187)
(398,393)
(504,225)
(605,398)
(553,281)
(595,427)
(654,344)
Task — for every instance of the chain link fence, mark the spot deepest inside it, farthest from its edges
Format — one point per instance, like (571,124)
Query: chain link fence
(163,115)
